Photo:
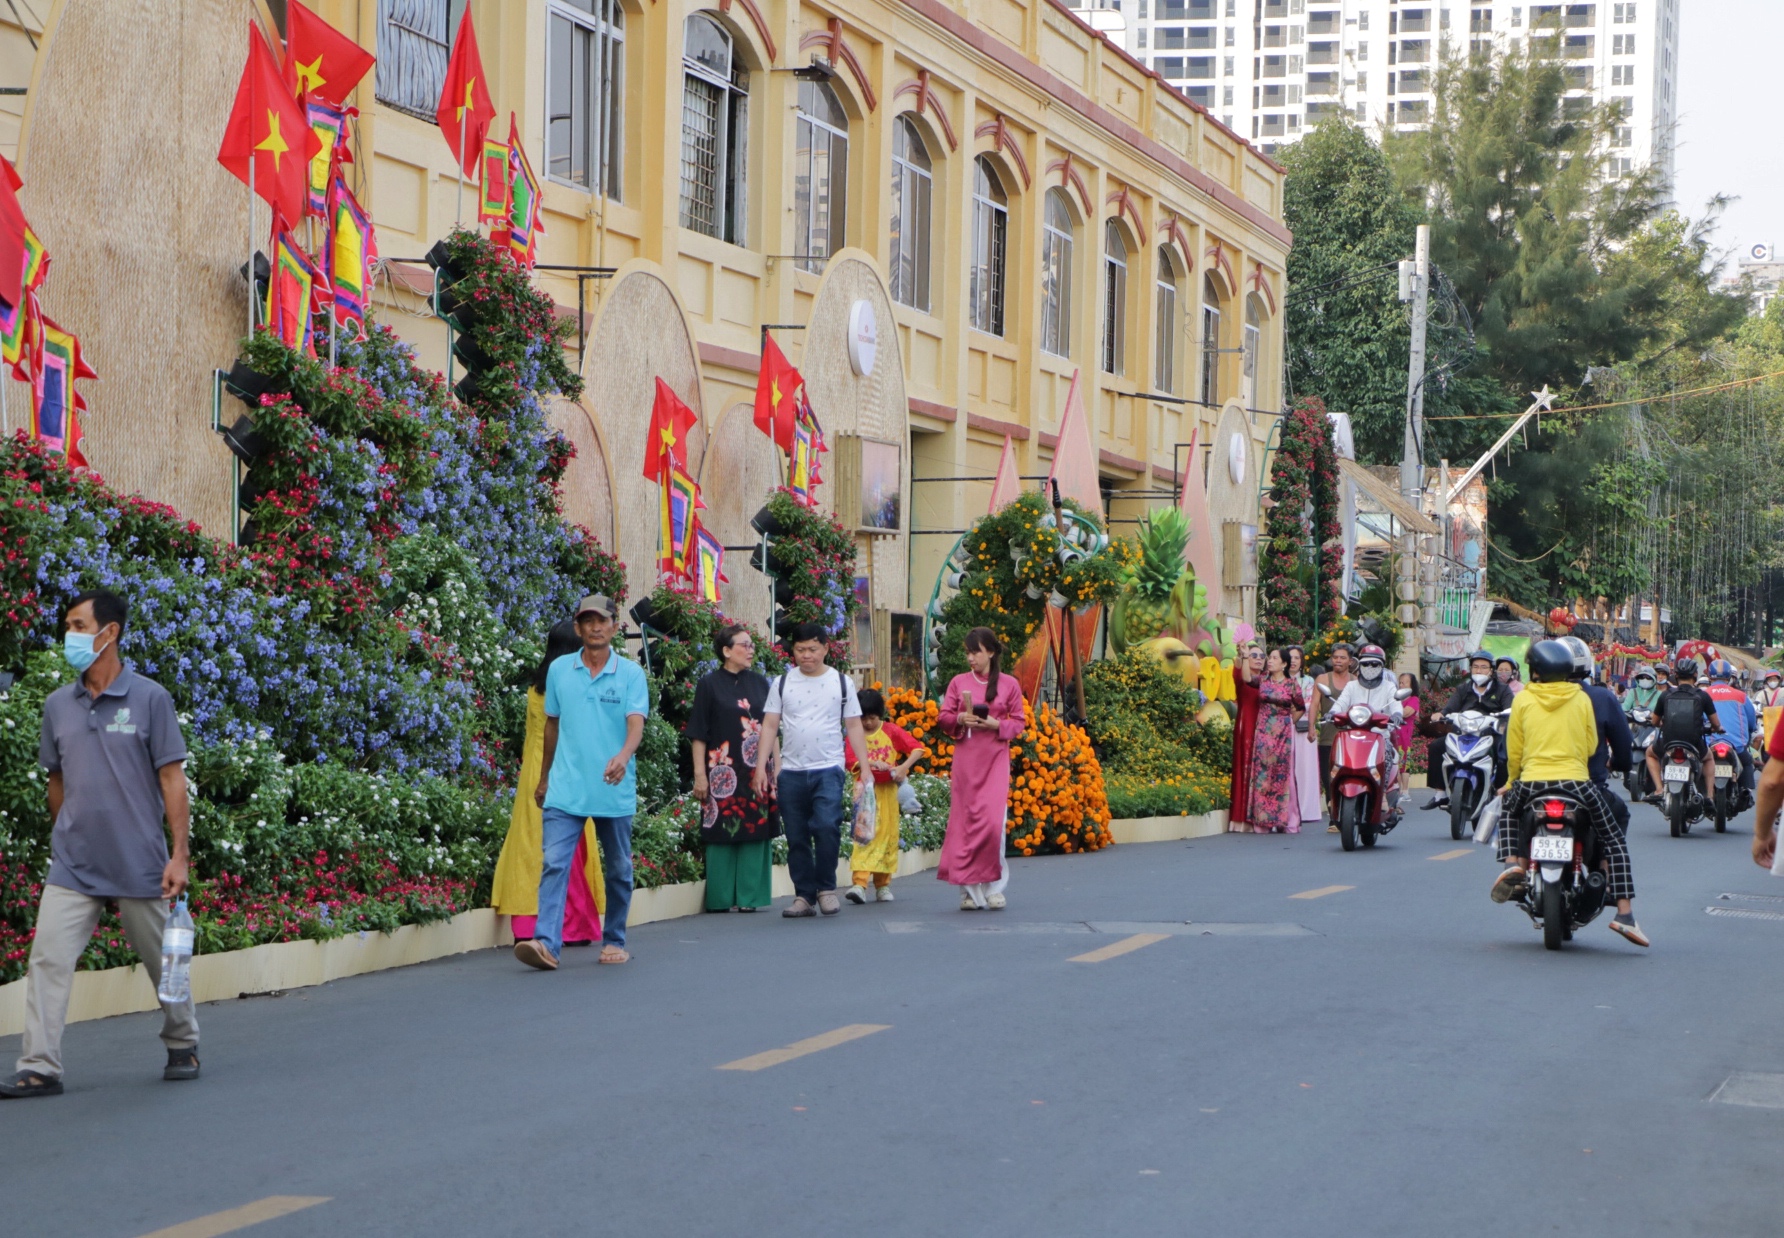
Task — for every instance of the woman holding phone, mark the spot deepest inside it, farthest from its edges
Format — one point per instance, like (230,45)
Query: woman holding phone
(982,711)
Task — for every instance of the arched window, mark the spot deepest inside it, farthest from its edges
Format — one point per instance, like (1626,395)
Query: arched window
(1254,335)
(1164,368)
(1210,341)
(1056,276)
(714,132)
(820,174)
(1114,299)
(585,93)
(991,226)
(912,185)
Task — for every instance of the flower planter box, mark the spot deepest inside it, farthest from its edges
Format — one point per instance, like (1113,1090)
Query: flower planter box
(1169,829)
(299,964)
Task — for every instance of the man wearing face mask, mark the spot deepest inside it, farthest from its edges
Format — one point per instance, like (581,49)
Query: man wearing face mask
(1377,689)
(1482,693)
(116,761)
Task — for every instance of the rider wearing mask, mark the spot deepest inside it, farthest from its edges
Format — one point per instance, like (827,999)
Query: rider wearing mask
(1375,688)
(1481,693)
(1685,714)
(1737,720)
(1507,671)
(1644,694)
(1772,694)
(1549,742)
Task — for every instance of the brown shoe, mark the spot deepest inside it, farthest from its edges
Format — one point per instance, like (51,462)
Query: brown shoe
(799,910)
(1512,883)
(533,954)
(828,903)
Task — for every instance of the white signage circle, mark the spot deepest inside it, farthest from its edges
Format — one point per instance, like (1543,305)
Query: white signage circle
(864,337)
(1236,457)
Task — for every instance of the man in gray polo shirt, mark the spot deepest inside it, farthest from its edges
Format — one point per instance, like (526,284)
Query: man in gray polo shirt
(116,761)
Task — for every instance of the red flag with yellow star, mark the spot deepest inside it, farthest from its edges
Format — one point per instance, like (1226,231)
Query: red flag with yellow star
(269,133)
(666,441)
(465,110)
(777,396)
(319,60)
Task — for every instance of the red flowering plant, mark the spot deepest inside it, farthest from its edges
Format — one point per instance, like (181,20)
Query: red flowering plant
(817,557)
(1302,544)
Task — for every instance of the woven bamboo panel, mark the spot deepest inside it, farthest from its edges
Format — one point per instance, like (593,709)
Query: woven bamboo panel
(146,232)
(588,484)
(639,336)
(871,405)
(742,468)
(1231,501)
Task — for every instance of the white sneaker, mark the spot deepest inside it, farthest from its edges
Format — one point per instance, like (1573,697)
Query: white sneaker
(995,902)
(966,901)
(882,894)
(856,894)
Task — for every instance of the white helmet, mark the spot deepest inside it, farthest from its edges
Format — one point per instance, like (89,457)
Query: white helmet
(1582,656)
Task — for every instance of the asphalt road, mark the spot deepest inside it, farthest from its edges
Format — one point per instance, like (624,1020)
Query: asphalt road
(1396,1056)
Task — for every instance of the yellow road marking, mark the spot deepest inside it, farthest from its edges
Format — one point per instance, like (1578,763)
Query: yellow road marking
(1322,891)
(240,1218)
(1457,854)
(1127,945)
(799,1048)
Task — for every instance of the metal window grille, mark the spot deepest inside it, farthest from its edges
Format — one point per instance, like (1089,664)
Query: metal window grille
(1056,277)
(702,106)
(414,44)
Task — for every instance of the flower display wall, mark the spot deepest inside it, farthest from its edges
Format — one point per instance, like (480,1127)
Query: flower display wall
(1304,495)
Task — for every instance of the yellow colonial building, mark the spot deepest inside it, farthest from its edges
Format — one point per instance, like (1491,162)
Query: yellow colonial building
(941,210)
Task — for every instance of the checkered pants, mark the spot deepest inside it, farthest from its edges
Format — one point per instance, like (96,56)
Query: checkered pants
(1620,879)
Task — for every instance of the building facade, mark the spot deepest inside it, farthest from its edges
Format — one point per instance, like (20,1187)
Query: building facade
(940,210)
(1271,69)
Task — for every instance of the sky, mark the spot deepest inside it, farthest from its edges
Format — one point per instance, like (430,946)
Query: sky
(1728,88)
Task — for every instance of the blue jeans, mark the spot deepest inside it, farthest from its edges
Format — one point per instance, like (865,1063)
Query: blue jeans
(811,810)
(561,831)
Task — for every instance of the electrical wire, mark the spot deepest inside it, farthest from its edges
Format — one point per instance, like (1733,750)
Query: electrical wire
(1593,408)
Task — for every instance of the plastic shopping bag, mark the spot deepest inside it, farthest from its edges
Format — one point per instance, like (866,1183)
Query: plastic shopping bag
(1489,820)
(866,816)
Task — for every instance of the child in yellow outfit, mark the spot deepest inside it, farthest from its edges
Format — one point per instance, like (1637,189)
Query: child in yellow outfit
(886,744)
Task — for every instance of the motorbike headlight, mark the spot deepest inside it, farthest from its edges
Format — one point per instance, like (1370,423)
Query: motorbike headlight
(1360,715)
(1471,724)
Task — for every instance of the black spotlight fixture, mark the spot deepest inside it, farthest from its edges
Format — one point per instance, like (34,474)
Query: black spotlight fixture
(243,440)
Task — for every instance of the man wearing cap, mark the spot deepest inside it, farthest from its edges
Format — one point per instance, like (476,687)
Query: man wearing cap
(595,706)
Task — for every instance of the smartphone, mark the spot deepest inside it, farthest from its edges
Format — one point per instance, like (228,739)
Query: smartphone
(981,711)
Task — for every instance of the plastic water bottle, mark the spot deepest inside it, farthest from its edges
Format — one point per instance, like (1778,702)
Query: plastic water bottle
(176,957)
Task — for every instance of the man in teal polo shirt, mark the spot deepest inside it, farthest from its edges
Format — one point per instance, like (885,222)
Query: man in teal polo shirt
(595,706)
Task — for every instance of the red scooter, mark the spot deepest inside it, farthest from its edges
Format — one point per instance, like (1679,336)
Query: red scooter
(1365,779)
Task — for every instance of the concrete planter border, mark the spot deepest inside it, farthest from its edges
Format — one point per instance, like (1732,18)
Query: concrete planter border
(300,964)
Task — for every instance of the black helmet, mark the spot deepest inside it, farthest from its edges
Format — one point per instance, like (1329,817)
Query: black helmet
(1550,662)
(1685,668)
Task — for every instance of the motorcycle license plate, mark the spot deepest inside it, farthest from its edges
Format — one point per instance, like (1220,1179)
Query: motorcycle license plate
(1553,850)
(1725,771)
(1676,773)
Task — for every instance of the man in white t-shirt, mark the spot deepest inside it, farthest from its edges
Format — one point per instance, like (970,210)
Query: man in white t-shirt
(809,710)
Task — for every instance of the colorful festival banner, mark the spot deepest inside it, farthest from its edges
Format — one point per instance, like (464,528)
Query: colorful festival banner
(804,476)
(290,293)
(524,226)
(681,507)
(329,123)
(351,248)
(710,569)
(494,202)
(14,318)
(55,402)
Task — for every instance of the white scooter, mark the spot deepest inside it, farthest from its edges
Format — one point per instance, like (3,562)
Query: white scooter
(1470,749)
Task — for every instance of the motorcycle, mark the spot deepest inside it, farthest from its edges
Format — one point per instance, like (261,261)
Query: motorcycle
(1471,749)
(1732,798)
(1682,800)
(1643,730)
(1567,887)
(1364,780)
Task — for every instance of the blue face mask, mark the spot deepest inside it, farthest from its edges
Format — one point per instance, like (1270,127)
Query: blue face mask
(78,651)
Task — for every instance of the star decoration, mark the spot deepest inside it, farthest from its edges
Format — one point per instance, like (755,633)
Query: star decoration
(469,104)
(309,76)
(1544,398)
(274,143)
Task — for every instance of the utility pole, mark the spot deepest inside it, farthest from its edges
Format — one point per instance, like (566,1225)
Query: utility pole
(1410,586)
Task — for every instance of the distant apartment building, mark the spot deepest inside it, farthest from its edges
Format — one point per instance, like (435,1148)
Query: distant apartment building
(1271,69)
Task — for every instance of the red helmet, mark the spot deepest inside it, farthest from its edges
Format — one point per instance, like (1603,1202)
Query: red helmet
(1372,651)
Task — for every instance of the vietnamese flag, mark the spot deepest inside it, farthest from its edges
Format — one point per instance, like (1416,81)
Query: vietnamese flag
(269,133)
(777,395)
(320,60)
(465,110)
(666,442)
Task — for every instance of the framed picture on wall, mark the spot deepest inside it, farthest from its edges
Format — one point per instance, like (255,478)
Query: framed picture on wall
(882,486)
(905,666)
(861,652)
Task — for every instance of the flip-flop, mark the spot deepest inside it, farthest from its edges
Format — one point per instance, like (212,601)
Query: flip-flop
(614,955)
(17,1087)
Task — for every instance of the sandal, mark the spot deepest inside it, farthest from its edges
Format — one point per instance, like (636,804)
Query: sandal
(30,1083)
(614,954)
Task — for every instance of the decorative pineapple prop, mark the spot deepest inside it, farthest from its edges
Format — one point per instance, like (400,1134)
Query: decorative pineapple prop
(1159,596)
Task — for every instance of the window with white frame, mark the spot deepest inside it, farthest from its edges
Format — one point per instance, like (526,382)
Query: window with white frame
(1254,335)
(913,186)
(1056,275)
(1210,341)
(1164,365)
(1114,299)
(584,93)
(714,132)
(991,227)
(820,174)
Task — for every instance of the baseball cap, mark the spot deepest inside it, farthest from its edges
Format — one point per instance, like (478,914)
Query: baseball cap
(598,603)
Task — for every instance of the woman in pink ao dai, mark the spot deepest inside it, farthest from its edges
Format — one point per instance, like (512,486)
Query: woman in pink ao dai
(982,712)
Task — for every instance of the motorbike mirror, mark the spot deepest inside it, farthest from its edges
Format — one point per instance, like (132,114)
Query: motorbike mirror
(1326,688)
(1400,694)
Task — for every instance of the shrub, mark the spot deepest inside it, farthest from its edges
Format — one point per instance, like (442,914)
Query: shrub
(1154,752)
